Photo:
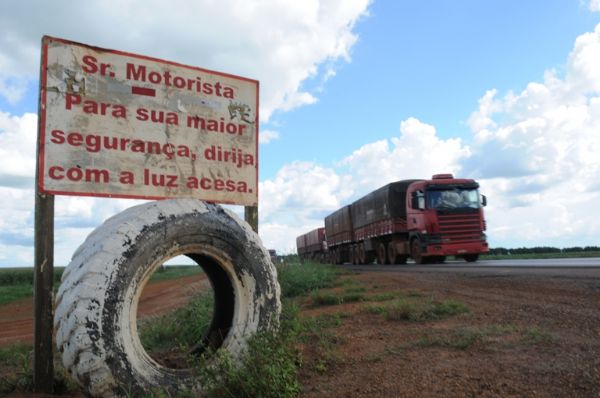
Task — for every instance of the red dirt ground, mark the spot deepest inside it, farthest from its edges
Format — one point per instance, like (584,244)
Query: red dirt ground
(540,338)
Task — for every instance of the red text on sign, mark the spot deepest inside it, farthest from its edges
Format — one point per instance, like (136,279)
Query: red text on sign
(77,174)
(139,73)
(95,108)
(90,65)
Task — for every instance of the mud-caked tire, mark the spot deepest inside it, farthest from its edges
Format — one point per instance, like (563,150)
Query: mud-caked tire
(96,305)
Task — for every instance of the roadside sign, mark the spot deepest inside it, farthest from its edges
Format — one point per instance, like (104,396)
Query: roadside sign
(116,124)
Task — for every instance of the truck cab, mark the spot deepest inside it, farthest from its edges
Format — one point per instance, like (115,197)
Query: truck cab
(445,218)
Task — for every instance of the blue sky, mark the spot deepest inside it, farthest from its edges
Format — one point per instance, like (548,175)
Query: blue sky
(354,94)
(432,61)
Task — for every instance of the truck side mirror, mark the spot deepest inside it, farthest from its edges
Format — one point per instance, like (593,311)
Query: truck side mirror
(483,200)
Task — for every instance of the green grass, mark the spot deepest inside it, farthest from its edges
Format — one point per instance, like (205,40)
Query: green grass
(9,294)
(267,368)
(300,279)
(176,332)
(24,276)
(418,310)
(17,283)
(322,298)
(16,372)
(382,297)
(464,338)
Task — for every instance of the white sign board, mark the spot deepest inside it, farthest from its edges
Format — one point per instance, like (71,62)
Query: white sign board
(116,124)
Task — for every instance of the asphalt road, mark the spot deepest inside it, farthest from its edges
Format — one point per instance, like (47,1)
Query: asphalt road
(570,267)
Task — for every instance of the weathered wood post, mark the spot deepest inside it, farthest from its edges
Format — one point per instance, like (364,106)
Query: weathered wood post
(43,364)
(251,216)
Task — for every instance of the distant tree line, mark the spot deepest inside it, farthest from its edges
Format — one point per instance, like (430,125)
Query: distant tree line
(543,249)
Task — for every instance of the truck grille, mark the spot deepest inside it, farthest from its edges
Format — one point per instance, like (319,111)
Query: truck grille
(460,228)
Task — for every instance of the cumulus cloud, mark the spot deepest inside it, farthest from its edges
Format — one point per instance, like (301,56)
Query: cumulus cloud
(267,136)
(18,135)
(417,153)
(537,152)
(297,200)
(279,43)
(594,5)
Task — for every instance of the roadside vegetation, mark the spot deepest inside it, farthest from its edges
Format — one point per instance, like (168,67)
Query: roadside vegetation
(275,362)
(541,252)
(17,283)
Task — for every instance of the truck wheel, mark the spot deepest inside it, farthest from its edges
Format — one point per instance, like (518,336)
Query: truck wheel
(362,259)
(381,254)
(471,258)
(95,317)
(393,256)
(415,251)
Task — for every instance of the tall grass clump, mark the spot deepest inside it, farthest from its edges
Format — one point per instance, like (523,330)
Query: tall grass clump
(299,279)
(16,372)
(267,368)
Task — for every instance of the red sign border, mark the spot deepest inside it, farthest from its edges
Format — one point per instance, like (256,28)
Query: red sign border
(42,135)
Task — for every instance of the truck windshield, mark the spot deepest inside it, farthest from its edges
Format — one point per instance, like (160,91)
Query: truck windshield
(456,198)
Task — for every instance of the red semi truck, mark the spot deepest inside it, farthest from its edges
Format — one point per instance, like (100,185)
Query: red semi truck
(312,245)
(423,219)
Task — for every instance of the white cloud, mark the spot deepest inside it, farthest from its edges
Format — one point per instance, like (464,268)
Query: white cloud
(18,136)
(417,153)
(537,152)
(267,136)
(279,43)
(594,5)
(297,200)
(305,187)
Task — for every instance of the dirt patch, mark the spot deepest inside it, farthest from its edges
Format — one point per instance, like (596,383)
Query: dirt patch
(523,336)
(16,319)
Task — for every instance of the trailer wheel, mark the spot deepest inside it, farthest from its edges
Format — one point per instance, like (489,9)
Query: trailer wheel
(95,317)
(393,255)
(362,258)
(415,251)
(381,254)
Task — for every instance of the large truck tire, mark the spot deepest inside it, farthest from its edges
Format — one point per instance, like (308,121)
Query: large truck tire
(96,305)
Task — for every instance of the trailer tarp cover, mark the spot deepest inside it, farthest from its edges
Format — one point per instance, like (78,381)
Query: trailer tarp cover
(387,202)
